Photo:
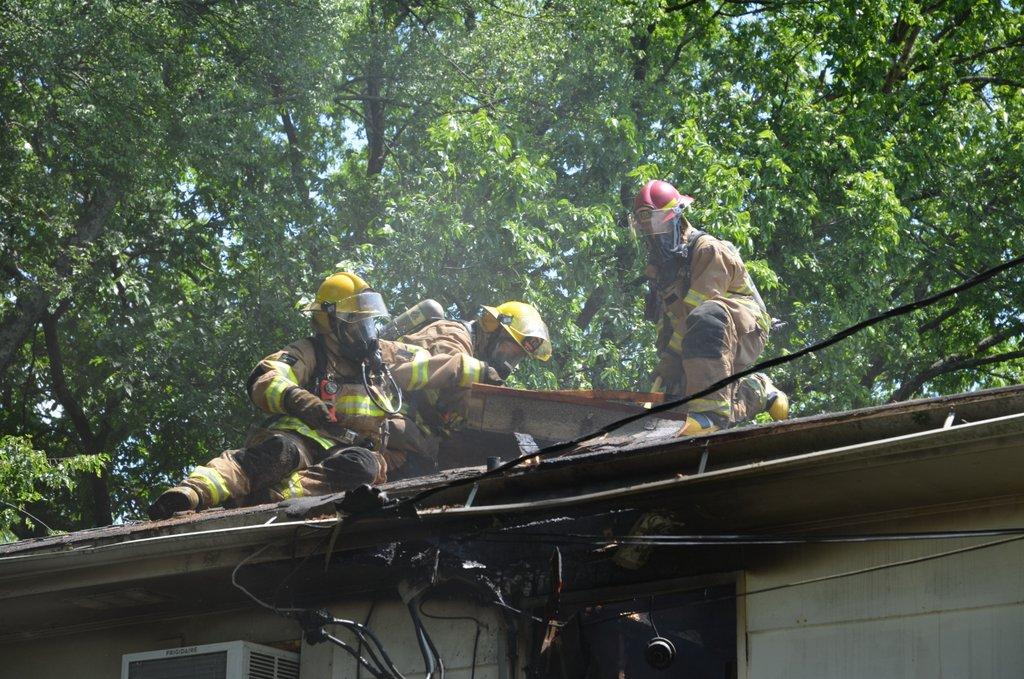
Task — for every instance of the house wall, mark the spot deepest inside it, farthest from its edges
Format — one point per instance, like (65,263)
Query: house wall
(97,654)
(957,616)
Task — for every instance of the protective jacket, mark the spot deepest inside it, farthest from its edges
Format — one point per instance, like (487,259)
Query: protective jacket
(713,324)
(440,405)
(304,364)
(286,457)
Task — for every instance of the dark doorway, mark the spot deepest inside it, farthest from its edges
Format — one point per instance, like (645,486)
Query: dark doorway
(610,640)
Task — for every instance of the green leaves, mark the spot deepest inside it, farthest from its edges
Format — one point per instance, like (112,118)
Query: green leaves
(859,157)
(27,476)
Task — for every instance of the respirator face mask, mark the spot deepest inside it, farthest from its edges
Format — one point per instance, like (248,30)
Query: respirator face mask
(660,227)
(357,329)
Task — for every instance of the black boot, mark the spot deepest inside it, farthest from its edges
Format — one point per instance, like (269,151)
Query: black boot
(172,501)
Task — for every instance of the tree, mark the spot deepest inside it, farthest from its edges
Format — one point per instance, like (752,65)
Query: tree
(176,176)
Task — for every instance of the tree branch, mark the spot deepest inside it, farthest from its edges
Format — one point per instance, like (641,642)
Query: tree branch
(982,80)
(949,364)
(61,389)
(591,306)
(1001,336)
(934,323)
(898,70)
(32,303)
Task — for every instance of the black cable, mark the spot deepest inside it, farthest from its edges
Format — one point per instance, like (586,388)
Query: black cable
(421,641)
(851,573)
(363,641)
(360,660)
(433,648)
(476,643)
(377,660)
(386,668)
(475,620)
(699,539)
(758,367)
(366,622)
(359,629)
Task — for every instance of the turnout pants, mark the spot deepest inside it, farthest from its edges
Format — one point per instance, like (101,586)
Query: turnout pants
(713,349)
(276,464)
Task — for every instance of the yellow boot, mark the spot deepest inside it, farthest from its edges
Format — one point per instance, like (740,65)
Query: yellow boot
(698,424)
(777,404)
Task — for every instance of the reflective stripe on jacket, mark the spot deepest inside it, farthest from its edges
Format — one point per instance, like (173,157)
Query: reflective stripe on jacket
(717,273)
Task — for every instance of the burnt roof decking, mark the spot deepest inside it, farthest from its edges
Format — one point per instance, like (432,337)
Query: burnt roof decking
(802,472)
(636,453)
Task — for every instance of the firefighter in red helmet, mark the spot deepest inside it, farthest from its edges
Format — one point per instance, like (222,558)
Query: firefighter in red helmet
(712,321)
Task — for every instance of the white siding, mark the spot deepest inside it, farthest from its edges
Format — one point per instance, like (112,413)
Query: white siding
(97,654)
(391,622)
(957,616)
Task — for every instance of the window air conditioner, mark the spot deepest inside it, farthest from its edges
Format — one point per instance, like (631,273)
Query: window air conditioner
(229,660)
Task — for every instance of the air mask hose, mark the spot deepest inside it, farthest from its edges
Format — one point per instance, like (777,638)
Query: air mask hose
(378,382)
(379,374)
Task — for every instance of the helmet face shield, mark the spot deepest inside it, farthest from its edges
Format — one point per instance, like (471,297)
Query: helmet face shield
(532,335)
(506,355)
(654,222)
(523,324)
(537,347)
(361,306)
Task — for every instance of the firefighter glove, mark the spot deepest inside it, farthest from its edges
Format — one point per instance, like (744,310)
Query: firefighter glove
(493,375)
(307,407)
(669,368)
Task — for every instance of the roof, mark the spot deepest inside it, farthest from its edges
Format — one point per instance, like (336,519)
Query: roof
(807,472)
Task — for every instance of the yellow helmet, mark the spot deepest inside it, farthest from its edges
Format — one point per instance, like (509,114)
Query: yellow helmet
(344,296)
(523,323)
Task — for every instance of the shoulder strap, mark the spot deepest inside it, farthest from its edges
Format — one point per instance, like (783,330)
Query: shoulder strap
(320,367)
(686,268)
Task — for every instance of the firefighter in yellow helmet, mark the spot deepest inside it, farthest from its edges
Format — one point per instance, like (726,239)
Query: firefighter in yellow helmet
(461,353)
(327,396)
(712,321)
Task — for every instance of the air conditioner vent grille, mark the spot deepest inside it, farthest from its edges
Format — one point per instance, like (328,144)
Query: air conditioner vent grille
(261,666)
(287,669)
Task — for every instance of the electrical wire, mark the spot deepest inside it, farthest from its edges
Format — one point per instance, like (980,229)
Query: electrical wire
(695,540)
(296,569)
(385,669)
(430,657)
(366,622)
(29,515)
(851,573)
(360,660)
(470,618)
(556,448)
(359,630)
(253,597)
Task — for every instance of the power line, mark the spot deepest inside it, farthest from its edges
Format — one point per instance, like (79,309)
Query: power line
(718,539)
(861,571)
(894,312)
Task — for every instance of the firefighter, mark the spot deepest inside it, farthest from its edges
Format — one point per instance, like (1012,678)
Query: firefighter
(713,322)
(461,353)
(328,397)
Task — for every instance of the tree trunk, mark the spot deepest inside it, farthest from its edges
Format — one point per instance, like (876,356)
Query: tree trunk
(33,300)
(90,442)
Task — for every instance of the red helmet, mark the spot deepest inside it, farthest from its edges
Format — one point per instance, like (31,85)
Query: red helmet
(658,195)
(656,206)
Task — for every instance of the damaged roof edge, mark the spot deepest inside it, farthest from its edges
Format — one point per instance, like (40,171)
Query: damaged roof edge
(21,574)
(611,460)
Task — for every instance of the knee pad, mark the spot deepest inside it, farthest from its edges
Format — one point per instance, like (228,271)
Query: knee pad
(706,331)
(351,467)
(269,460)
